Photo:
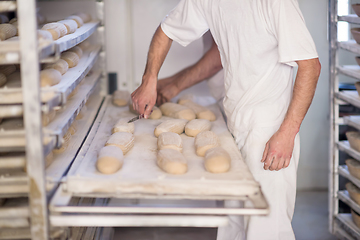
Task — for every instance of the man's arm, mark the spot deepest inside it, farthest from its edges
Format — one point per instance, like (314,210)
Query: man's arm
(144,97)
(206,67)
(279,148)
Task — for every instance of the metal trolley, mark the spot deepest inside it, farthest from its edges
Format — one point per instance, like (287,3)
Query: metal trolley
(48,202)
(24,194)
(341,224)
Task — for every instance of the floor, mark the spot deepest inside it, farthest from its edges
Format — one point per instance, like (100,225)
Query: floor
(310,223)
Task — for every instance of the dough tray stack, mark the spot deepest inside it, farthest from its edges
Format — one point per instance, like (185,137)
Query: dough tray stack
(141,194)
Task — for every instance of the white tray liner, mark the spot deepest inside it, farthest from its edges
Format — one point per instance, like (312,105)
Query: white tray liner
(140,174)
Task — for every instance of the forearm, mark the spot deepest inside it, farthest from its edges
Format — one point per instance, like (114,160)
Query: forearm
(159,47)
(303,93)
(206,67)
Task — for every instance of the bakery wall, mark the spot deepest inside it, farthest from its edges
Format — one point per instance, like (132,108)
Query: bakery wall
(127,40)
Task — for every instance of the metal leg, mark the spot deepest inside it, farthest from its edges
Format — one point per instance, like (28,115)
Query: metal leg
(32,118)
(334,129)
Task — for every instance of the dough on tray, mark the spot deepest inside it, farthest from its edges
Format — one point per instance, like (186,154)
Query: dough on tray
(3,79)
(49,77)
(354,139)
(172,125)
(70,24)
(65,144)
(77,50)
(353,167)
(200,111)
(77,19)
(84,16)
(172,161)
(56,27)
(175,110)
(170,140)
(354,192)
(123,126)
(61,65)
(121,98)
(110,160)
(7,69)
(123,140)
(45,35)
(205,141)
(7,30)
(196,126)
(71,58)
(217,160)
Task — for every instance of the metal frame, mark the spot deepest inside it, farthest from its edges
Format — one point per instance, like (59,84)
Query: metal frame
(31,213)
(334,115)
(341,224)
(30,74)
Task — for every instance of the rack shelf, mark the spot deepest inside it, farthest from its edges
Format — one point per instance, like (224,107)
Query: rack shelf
(53,96)
(346,221)
(350,70)
(343,171)
(345,146)
(351,18)
(62,161)
(351,97)
(66,116)
(353,121)
(77,37)
(10,49)
(351,46)
(345,197)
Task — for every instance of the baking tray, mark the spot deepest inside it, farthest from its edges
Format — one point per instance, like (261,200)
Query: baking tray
(11,92)
(141,175)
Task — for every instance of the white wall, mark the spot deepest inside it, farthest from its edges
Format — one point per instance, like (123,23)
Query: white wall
(313,167)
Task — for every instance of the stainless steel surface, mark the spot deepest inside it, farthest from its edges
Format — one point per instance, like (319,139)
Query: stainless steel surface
(343,171)
(32,119)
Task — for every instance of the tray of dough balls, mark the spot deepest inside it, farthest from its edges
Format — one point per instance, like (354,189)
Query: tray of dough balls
(163,155)
(57,80)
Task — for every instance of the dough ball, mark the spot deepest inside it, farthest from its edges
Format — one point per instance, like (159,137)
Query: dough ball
(110,160)
(217,160)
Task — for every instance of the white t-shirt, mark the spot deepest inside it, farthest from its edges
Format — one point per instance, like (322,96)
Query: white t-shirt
(258,40)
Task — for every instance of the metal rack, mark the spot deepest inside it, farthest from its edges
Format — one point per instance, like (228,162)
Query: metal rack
(25,142)
(340,223)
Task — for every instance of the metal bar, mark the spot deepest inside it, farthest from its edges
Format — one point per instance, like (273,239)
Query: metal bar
(351,18)
(350,45)
(344,196)
(343,170)
(138,221)
(345,147)
(32,119)
(349,225)
(333,154)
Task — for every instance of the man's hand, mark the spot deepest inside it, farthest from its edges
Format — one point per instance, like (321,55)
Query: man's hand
(144,98)
(278,151)
(166,90)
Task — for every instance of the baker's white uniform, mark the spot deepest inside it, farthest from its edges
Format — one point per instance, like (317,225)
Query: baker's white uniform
(258,40)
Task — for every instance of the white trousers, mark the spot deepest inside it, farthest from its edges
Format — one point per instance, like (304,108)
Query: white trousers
(279,188)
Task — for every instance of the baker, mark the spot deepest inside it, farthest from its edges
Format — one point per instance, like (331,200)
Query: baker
(260,41)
